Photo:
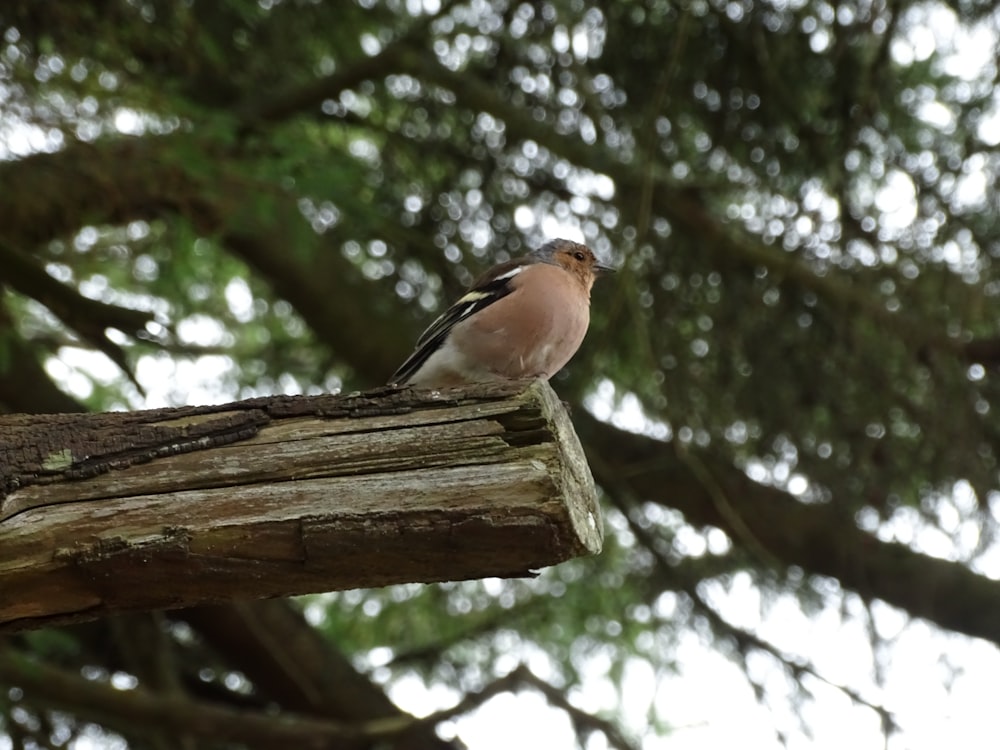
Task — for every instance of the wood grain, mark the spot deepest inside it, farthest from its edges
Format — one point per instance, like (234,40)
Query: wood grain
(271,497)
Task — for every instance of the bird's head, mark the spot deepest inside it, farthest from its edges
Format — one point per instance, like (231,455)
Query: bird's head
(578,259)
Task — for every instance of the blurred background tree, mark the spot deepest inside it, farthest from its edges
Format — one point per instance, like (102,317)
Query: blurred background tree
(786,394)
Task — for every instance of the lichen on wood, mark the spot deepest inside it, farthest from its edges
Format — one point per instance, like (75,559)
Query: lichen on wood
(286,495)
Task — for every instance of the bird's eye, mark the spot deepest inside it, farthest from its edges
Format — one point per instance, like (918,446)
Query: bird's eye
(579,256)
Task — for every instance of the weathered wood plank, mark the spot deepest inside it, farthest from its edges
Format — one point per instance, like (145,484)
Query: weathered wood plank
(273,497)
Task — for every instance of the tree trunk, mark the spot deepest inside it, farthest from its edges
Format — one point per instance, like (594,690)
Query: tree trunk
(169,508)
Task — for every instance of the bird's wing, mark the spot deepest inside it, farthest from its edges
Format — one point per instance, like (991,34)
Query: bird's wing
(494,286)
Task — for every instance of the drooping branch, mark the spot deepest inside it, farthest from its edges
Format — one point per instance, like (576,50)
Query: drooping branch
(71,188)
(684,207)
(816,537)
(88,318)
(142,711)
(670,576)
(302,98)
(24,385)
(584,722)
(294,665)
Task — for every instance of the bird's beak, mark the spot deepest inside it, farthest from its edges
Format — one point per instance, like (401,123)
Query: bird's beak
(600,269)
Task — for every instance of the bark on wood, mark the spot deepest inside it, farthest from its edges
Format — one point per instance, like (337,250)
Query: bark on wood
(286,495)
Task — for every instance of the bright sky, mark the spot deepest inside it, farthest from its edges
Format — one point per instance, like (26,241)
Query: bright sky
(711,707)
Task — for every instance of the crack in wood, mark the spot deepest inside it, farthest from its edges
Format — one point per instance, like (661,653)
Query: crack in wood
(286,495)
(40,449)
(93,444)
(172,539)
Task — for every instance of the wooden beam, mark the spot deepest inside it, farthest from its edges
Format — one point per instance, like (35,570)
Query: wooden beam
(102,513)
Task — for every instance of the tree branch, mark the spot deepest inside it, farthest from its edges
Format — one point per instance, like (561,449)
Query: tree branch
(522,677)
(581,719)
(89,318)
(671,576)
(142,711)
(817,537)
(682,206)
(309,96)
(316,280)
(293,664)
(24,384)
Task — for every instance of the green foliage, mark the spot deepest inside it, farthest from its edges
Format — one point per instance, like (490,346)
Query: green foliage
(801,197)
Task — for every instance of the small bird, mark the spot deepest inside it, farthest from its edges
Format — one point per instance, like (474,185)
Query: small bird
(521,319)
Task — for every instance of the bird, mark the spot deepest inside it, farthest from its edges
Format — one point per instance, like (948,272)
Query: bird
(524,318)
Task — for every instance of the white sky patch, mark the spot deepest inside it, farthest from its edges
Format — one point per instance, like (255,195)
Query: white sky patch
(178,382)
(202,330)
(553,227)
(240,300)
(967,50)
(897,201)
(19,139)
(129,122)
(916,46)
(970,190)
(560,39)
(639,686)
(710,704)
(581,43)
(524,218)
(516,720)
(69,376)
(417,7)
(989,125)
(936,114)
(797,484)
